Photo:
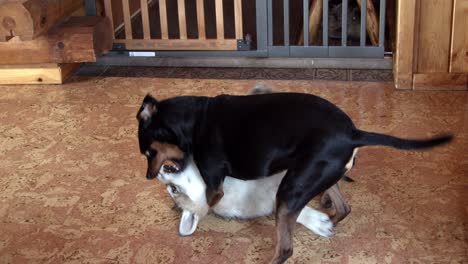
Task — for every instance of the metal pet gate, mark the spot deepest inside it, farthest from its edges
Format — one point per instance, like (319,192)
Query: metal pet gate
(272,21)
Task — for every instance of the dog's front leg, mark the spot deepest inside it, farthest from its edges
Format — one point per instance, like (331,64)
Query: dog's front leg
(214,178)
(285,222)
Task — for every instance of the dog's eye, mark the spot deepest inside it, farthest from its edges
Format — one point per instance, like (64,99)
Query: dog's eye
(150,153)
(170,166)
(174,189)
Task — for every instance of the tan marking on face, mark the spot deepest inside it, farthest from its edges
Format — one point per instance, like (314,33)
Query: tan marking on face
(164,153)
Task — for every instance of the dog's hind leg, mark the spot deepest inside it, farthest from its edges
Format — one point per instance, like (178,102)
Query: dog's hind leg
(298,187)
(333,199)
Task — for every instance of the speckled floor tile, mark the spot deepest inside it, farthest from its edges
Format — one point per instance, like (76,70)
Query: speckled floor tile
(72,185)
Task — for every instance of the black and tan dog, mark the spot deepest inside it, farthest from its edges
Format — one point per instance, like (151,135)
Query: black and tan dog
(256,136)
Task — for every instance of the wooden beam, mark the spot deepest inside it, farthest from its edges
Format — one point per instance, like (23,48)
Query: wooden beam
(145,19)
(201,19)
(406,22)
(28,19)
(163,18)
(79,39)
(179,44)
(36,74)
(219,19)
(182,20)
(109,14)
(238,19)
(127,19)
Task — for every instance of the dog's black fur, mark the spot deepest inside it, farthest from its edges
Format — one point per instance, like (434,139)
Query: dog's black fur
(249,137)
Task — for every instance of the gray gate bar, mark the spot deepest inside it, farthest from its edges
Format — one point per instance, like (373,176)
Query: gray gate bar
(270,22)
(306,23)
(344,23)
(363,22)
(286,22)
(325,23)
(382,23)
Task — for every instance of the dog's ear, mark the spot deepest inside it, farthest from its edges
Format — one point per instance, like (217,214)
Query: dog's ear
(147,110)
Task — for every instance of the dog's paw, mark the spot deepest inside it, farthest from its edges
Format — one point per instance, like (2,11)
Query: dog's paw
(316,221)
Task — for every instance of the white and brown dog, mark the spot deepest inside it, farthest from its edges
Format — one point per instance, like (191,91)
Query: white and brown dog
(242,199)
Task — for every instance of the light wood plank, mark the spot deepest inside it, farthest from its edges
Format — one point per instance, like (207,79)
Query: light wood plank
(36,74)
(434,36)
(406,19)
(238,19)
(201,19)
(219,19)
(176,44)
(182,19)
(145,19)
(163,17)
(127,19)
(108,9)
(440,81)
(459,43)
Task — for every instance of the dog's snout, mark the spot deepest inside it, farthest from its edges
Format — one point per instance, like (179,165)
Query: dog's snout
(150,176)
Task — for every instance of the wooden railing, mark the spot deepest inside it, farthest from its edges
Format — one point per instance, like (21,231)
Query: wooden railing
(183,42)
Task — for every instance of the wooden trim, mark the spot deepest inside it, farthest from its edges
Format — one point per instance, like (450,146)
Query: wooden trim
(219,19)
(201,19)
(406,19)
(145,19)
(440,81)
(176,44)
(127,19)
(459,41)
(163,17)
(182,19)
(108,9)
(238,19)
(37,73)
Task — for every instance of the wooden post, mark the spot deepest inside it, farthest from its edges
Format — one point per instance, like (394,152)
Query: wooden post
(28,19)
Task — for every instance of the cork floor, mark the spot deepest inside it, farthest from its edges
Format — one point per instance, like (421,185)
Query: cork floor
(72,185)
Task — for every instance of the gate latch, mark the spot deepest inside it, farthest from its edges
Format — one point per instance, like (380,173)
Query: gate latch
(244,44)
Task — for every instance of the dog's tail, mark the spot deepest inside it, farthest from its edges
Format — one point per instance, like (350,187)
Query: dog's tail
(363,138)
(261,88)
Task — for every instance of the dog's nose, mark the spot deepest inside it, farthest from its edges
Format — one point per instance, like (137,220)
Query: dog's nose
(150,176)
